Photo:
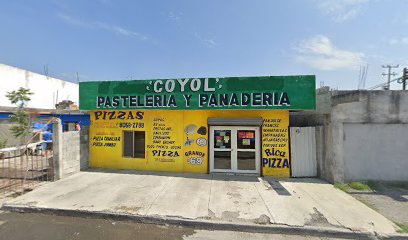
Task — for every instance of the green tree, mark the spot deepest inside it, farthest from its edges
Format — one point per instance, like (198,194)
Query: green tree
(20,98)
(3,143)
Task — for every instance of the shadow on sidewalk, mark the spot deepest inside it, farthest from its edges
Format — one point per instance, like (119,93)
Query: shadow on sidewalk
(212,176)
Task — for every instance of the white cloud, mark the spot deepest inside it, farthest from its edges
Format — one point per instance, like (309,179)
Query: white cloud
(209,42)
(100,25)
(341,10)
(175,16)
(395,41)
(320,53)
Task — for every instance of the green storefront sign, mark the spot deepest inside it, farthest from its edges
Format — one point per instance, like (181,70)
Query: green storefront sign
(273,92)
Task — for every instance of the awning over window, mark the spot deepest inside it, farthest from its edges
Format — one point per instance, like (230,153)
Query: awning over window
(235,121)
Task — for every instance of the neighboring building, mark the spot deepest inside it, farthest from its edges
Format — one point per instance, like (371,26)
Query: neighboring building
(364,134)
(47,91)
(226,125)
(70,119)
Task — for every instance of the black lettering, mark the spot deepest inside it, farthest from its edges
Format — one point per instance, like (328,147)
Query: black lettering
(284,100)
(149,101)
(213,101)
(139,115)
(279,162)
(203,99)
(157,101)
(285,163)
(234,100)
(132,101)
(112,115)
(275,99)
(154,152)
(100,101)
(115,101)
(121,115)
(172,101)
(273,163)
(130,115)
(256,99)
(265,161)
(187,97)
(124,100)
(140,102)
(107,102)
(98,114)
(245,98)
(223,99)
(267,99)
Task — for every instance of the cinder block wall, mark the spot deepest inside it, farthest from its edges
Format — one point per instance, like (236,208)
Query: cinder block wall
(368,136)
(84,147)
(70,153)
(67,150)
(363,135)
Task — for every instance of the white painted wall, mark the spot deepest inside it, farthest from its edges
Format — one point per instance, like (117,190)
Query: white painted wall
(47,90)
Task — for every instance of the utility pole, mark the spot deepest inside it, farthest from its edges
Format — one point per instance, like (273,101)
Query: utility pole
(389,74)
(404,78)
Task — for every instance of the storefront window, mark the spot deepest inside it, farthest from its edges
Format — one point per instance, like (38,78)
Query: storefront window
(134,144)
(246,139)
(222,139)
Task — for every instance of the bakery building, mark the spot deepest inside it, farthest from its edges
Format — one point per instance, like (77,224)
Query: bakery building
(195,125)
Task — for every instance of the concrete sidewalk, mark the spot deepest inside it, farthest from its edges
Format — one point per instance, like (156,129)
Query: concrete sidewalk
(241,200)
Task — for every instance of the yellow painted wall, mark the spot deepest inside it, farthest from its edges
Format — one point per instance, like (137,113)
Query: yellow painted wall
(181,152)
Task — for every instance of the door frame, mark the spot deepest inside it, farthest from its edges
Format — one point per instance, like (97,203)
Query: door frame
(234,150)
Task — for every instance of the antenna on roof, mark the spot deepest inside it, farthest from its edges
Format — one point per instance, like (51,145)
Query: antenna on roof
(77,75)
(362,76)
(46,70)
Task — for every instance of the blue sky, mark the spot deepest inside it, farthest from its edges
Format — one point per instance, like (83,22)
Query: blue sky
(119,40)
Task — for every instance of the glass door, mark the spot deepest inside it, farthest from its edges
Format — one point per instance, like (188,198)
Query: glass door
(234,149)
(221,149)
(247,149)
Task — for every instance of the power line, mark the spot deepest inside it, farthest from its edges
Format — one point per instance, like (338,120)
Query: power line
(383,85)
(403,80)
(389,74)
(362,76)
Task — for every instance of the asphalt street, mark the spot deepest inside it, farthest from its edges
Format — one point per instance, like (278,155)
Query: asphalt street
(35,226)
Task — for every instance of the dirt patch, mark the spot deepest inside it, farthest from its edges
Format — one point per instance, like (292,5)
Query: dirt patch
(127,209)
(234,195)
(318,219)
(388,198)
(263,219)
(229,216)
(54,227)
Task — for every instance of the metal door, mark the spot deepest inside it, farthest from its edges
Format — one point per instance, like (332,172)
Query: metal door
(303,152)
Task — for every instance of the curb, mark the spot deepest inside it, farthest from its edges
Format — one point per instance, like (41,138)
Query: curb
(206,224)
